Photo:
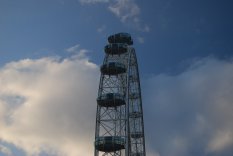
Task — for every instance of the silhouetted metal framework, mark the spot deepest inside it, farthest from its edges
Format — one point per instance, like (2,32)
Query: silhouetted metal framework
(119,117)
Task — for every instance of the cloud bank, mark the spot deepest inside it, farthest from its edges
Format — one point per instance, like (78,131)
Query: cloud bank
(191,113)
(48,105)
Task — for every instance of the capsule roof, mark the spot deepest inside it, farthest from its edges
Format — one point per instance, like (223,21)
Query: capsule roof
(121,38)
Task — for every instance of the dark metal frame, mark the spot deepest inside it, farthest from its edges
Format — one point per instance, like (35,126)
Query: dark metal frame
(124,121)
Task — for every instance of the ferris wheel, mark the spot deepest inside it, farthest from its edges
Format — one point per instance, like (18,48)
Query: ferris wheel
(119,127)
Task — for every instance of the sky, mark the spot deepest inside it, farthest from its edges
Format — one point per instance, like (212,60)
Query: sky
(51,51)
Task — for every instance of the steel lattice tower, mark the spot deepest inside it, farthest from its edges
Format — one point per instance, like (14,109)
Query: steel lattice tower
(119,118)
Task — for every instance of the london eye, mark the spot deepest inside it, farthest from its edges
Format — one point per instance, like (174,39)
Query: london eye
(119,127)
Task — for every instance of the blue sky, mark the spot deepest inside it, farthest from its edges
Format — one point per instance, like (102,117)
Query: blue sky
(178,30)
(184,49)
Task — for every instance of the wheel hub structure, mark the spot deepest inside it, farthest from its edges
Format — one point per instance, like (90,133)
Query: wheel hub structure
(119,117)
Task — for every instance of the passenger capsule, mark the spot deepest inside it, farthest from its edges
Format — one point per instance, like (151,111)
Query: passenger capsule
(113,68)
(110,143)
(111,100)
(116,48)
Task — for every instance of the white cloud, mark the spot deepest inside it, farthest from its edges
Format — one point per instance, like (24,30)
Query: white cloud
(77,52)
(55,108)
(191,113)
(73,49)
(49,105)
(127,11)
(221,140)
